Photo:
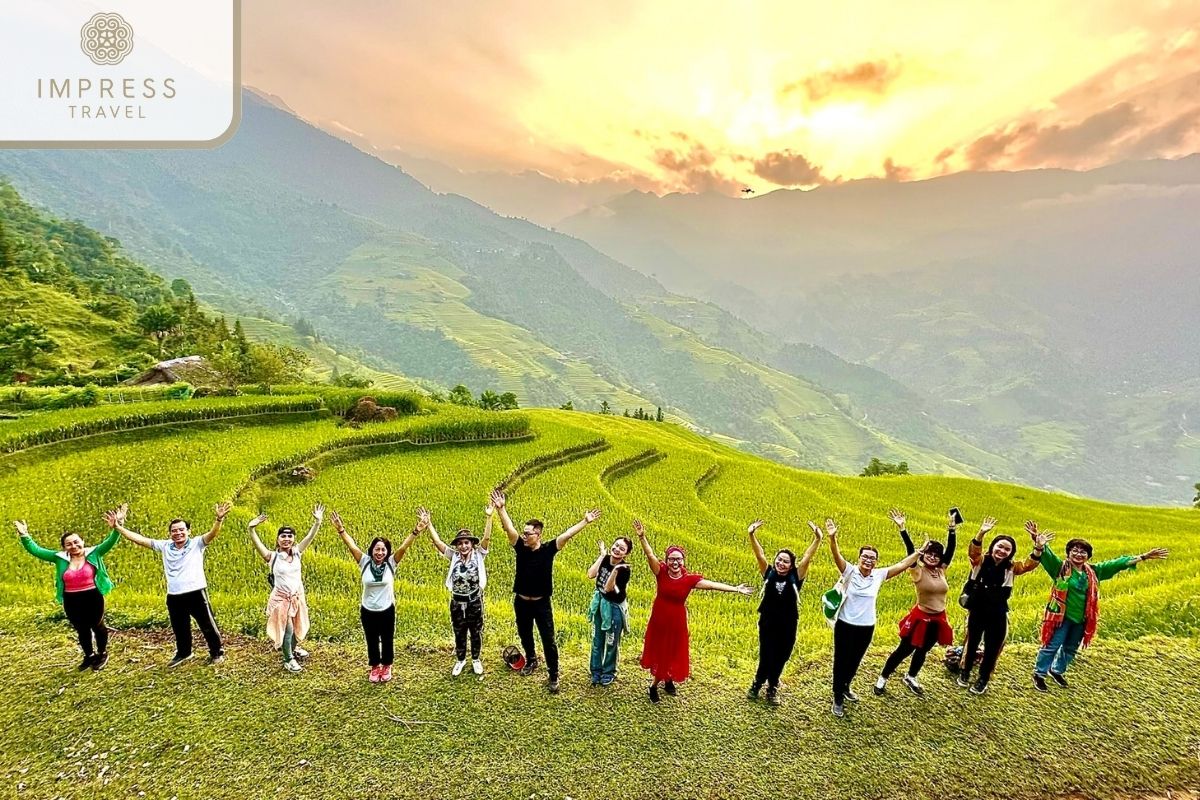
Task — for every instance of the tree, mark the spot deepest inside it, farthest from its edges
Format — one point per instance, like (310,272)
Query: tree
(659,416)
(508,401)
(567,406)
(461,396)
(1196,499)
(877,468)
(271,364)
(305,328)
(159,322)
(181,288)
(239,338)
(605,408)
(489,400)
(21,345)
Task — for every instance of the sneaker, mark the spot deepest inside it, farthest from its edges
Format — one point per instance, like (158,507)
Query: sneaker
(374,677)
(177,660)
(552,685)
(219,658)
(458,667)
(851,696)
(838,709)
(654,698)
(880,687)
(530,665)
(606,680)
(979,688)
(913,686)
(1059,678)
(773,696)
(86,663)
(299,652)
(385,673)
(477,667)
(1039,683)
(963,680)
(595,680)
(755,688)
(669,688)
(292,666)
(99,661)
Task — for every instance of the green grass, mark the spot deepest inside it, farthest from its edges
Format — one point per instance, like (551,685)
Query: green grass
(505,737)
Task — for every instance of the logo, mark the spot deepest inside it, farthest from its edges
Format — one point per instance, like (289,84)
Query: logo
(106,39)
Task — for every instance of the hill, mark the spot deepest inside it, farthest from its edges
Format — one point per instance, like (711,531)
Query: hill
(221,725)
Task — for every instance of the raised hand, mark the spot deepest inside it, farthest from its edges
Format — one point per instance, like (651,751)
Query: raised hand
(816,529)
(1155,554)
(1031,528)
(336,519)
(319,512)
(603,549)
(121,512)
(22,528)
(831,527)
(498,498)
(591,516)
(987,525)
(259,520)
(1039,541)
(423,518)
(222,510)
(897,516)
(754,526)
(489,509)
(111,519)
(639,529)
(953,522)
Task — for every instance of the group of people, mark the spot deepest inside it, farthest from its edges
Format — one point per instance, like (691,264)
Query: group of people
(1069,618)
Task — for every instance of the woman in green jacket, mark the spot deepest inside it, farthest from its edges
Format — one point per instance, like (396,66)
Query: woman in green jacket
(82,581)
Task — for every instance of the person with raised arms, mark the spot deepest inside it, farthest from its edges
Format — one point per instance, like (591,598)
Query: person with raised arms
(466,579)
(187,587)
(609,610)
(81,581)
(779,609)
(1069,621)
(986,596)
(666,648)
(854,619)
(287,607)
(926,624)
(533,584)
(377,610)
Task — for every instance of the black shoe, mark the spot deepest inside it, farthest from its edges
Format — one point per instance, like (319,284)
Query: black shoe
(86,663)
(552,685)
(851,696)
(595,680)
(654,698)
(669,688)
(964,680)
(838,709)
(218,658)
(1059,678)
(755,688)
(99,661)
(979,688)
(530,665)
(178,659)
(913,686)
(773,696)
(1039,683)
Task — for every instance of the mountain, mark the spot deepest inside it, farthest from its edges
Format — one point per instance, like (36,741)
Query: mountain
(288,219)
(1049,315)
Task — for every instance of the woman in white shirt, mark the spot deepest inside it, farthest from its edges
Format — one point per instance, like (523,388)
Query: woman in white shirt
(287,608)
(378,611)
(855,621)
(466,580)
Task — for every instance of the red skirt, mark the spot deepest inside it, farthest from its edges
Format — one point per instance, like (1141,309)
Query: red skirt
(912,627)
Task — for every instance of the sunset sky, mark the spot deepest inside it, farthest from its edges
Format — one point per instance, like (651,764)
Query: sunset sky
(697,95)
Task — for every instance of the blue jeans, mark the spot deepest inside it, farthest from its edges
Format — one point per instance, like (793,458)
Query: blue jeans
(605,644)
(1064,644)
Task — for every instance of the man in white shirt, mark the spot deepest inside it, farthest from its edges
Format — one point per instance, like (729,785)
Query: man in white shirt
(187,588)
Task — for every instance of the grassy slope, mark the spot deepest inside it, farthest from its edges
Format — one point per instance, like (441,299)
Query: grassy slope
(83,336)
(585,743)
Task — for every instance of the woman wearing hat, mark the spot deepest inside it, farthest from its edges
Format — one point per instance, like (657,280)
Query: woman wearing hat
(925,624)
(665,649)
(466,580)
(287,608)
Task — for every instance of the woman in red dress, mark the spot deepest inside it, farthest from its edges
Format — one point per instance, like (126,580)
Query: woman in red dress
(665,648)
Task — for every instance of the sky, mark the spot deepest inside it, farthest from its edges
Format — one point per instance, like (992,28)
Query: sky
(726,94)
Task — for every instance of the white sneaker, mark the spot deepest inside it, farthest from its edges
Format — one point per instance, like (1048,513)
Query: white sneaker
(477,667)
(913,686)
(299,652)
(293,666)
(458,667)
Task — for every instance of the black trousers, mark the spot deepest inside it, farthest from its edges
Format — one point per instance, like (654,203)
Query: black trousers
(467,617)
(850,643)
(183,608)
(540,613)
(380,628)
(85,612)
(906,648)
(776,639)
(990,628)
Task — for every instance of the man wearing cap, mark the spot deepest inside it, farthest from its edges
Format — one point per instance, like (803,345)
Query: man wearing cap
(466,580)
(534,583)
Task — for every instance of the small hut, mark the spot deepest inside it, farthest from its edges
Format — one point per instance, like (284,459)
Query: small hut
(188,369)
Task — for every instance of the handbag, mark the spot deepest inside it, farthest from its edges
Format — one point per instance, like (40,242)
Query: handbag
(832,600)
(271,570)
(964,597)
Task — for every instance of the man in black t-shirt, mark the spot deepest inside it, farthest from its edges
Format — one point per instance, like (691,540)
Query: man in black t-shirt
(534,583)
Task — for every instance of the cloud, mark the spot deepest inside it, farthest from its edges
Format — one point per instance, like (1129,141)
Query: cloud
(894,172)
(865,77)
(694,171)
(1168,138)
(785,168)
(1030,144)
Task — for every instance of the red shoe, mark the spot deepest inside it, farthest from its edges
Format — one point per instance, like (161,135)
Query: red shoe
(374,678)
(385,673)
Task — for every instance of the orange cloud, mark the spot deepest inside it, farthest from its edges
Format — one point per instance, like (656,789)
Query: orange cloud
(863,78)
